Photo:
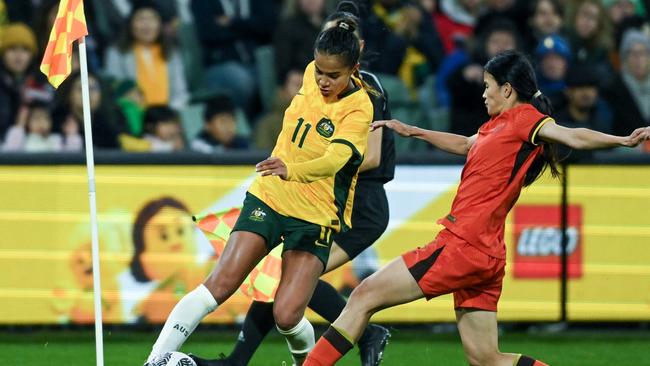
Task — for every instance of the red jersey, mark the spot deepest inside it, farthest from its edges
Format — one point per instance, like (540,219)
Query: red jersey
(493,177)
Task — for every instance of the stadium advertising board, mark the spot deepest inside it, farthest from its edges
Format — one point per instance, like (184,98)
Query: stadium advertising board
(152,253)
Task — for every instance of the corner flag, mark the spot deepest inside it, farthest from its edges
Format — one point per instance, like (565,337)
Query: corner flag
(69,26)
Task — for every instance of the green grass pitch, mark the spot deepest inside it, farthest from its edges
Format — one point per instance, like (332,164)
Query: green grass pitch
(407,347)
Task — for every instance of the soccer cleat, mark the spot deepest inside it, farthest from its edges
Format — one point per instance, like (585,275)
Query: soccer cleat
(372,350)
(221,361)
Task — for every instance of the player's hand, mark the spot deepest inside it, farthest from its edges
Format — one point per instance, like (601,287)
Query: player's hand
(272,166)
(637,137)
(401,128)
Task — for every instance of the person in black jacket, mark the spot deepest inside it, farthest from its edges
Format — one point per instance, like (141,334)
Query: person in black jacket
(399,34)
(466,86)
(293,41)
(230,31)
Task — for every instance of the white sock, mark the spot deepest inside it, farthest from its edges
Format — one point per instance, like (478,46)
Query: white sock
(182,321)
(300,340)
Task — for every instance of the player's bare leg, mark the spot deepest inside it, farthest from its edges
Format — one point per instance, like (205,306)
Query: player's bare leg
(300,272)
(337,258)
(480,337)
(390,286)
(243,251)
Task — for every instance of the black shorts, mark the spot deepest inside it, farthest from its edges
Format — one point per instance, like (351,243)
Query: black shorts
(257,217)
(369,218)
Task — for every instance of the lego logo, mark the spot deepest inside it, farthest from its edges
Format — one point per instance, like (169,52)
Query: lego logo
(546,241)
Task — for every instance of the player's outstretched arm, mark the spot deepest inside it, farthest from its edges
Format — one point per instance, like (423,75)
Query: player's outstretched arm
(455,144)
(586,139)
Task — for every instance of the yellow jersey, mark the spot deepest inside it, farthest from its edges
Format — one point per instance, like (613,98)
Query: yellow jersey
(322,142)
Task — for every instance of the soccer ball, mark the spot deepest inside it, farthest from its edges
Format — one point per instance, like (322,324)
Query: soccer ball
(174,359)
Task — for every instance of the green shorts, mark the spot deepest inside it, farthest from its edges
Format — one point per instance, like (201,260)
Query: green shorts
(257,217)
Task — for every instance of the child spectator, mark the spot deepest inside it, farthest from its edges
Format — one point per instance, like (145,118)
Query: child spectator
(107,121)
(33,132)
(163,127)
(553,57)
(219,128)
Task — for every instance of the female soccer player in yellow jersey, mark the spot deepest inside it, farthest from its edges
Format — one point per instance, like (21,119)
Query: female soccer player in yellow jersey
(303,194)
(369,221)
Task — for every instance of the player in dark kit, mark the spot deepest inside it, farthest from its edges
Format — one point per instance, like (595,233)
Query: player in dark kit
(467,257)
(369,221)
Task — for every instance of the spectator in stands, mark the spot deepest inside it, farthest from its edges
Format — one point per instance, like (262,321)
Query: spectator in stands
(584,107)
(17,51)
(68,118)
(404,40)
(625,14)
(270,125)
(590,36)
(629,95)
(219,132)
(294,38)
(163,129)
(455,20)
(466,84)
(230,31)
(33,132)
(621,10)
(514,10)
(553,57)
(546,17)
(146,55)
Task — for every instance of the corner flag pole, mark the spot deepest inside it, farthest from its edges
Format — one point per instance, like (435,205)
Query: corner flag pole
(90,163)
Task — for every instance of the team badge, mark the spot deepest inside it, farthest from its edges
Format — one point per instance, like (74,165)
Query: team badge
(325,127)
(257,215)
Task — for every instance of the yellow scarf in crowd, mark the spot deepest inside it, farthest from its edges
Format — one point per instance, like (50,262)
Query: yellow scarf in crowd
(153,77)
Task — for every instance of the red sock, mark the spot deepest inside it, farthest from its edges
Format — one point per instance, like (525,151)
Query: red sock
(527,361)
(329,349)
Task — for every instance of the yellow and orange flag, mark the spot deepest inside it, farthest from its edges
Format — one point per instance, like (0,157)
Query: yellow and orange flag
(69,26)
(263,281)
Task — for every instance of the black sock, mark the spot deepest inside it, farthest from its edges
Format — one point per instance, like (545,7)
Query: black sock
(258,323)
(326,301)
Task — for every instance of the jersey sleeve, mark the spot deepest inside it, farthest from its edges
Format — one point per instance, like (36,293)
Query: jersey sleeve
(335,157)
(529,124)
(353,131)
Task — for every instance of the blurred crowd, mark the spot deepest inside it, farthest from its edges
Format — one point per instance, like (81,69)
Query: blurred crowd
(216,75)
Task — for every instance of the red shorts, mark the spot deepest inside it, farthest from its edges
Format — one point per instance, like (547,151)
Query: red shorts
(449,264)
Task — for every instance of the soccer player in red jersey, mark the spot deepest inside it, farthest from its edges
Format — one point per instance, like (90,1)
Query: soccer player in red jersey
(467,257)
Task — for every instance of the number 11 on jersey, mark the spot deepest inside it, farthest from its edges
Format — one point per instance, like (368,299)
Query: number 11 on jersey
(304,134)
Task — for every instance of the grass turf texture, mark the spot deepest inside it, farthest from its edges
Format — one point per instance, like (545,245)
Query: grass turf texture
(407,347)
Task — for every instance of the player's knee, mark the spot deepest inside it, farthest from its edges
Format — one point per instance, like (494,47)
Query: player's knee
(364,296)
(285,317)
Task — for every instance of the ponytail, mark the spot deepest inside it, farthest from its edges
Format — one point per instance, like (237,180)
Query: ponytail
(347,12)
